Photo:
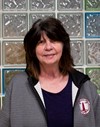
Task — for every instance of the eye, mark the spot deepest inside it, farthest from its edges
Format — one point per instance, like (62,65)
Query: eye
(52,41)
(41,41)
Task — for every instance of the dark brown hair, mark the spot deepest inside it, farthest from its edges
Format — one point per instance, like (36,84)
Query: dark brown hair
(54,29)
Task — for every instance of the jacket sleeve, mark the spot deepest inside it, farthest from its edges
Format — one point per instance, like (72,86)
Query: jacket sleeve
(97,110)
(95,101)
(5,111)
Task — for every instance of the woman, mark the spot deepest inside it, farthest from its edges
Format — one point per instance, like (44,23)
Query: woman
(50,93)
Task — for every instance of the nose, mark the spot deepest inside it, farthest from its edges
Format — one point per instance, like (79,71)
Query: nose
(48,45)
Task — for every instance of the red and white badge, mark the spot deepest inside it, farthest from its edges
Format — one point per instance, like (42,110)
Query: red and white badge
(84,106)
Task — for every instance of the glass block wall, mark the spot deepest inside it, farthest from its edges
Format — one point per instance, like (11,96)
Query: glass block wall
(81,19)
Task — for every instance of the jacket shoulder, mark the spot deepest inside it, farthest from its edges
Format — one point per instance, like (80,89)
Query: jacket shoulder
(20,76)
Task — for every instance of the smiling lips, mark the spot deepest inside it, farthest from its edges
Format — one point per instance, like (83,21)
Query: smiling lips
(49,55)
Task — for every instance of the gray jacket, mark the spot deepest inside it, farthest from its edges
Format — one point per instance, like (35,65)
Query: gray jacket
(24,104)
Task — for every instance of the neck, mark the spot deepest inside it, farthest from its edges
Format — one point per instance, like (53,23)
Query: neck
(50,72)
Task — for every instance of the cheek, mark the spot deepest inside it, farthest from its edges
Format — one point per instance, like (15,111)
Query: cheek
(60,49)
(38,51)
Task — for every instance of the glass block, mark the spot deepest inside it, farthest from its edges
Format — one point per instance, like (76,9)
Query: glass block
(7,75)
(92,28)
(14,25)
(15,5)
(73,23)
(92,5)
(69,5)
(0,4)
(13,53)
(0,52)
(44,5)
(35,16)
(77,51)
(94,74)
(93,52)
(0,26)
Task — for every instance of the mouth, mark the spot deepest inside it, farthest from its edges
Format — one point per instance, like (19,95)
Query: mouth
(49,55)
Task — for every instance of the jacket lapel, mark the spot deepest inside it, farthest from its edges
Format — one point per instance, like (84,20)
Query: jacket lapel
(74,92)
(36,89)
(39,91)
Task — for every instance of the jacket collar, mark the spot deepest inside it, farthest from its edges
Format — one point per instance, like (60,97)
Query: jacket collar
(39,91)
(74,92)
(78,79)
(36,89)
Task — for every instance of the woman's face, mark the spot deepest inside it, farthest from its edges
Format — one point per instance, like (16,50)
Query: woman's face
(48,51)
